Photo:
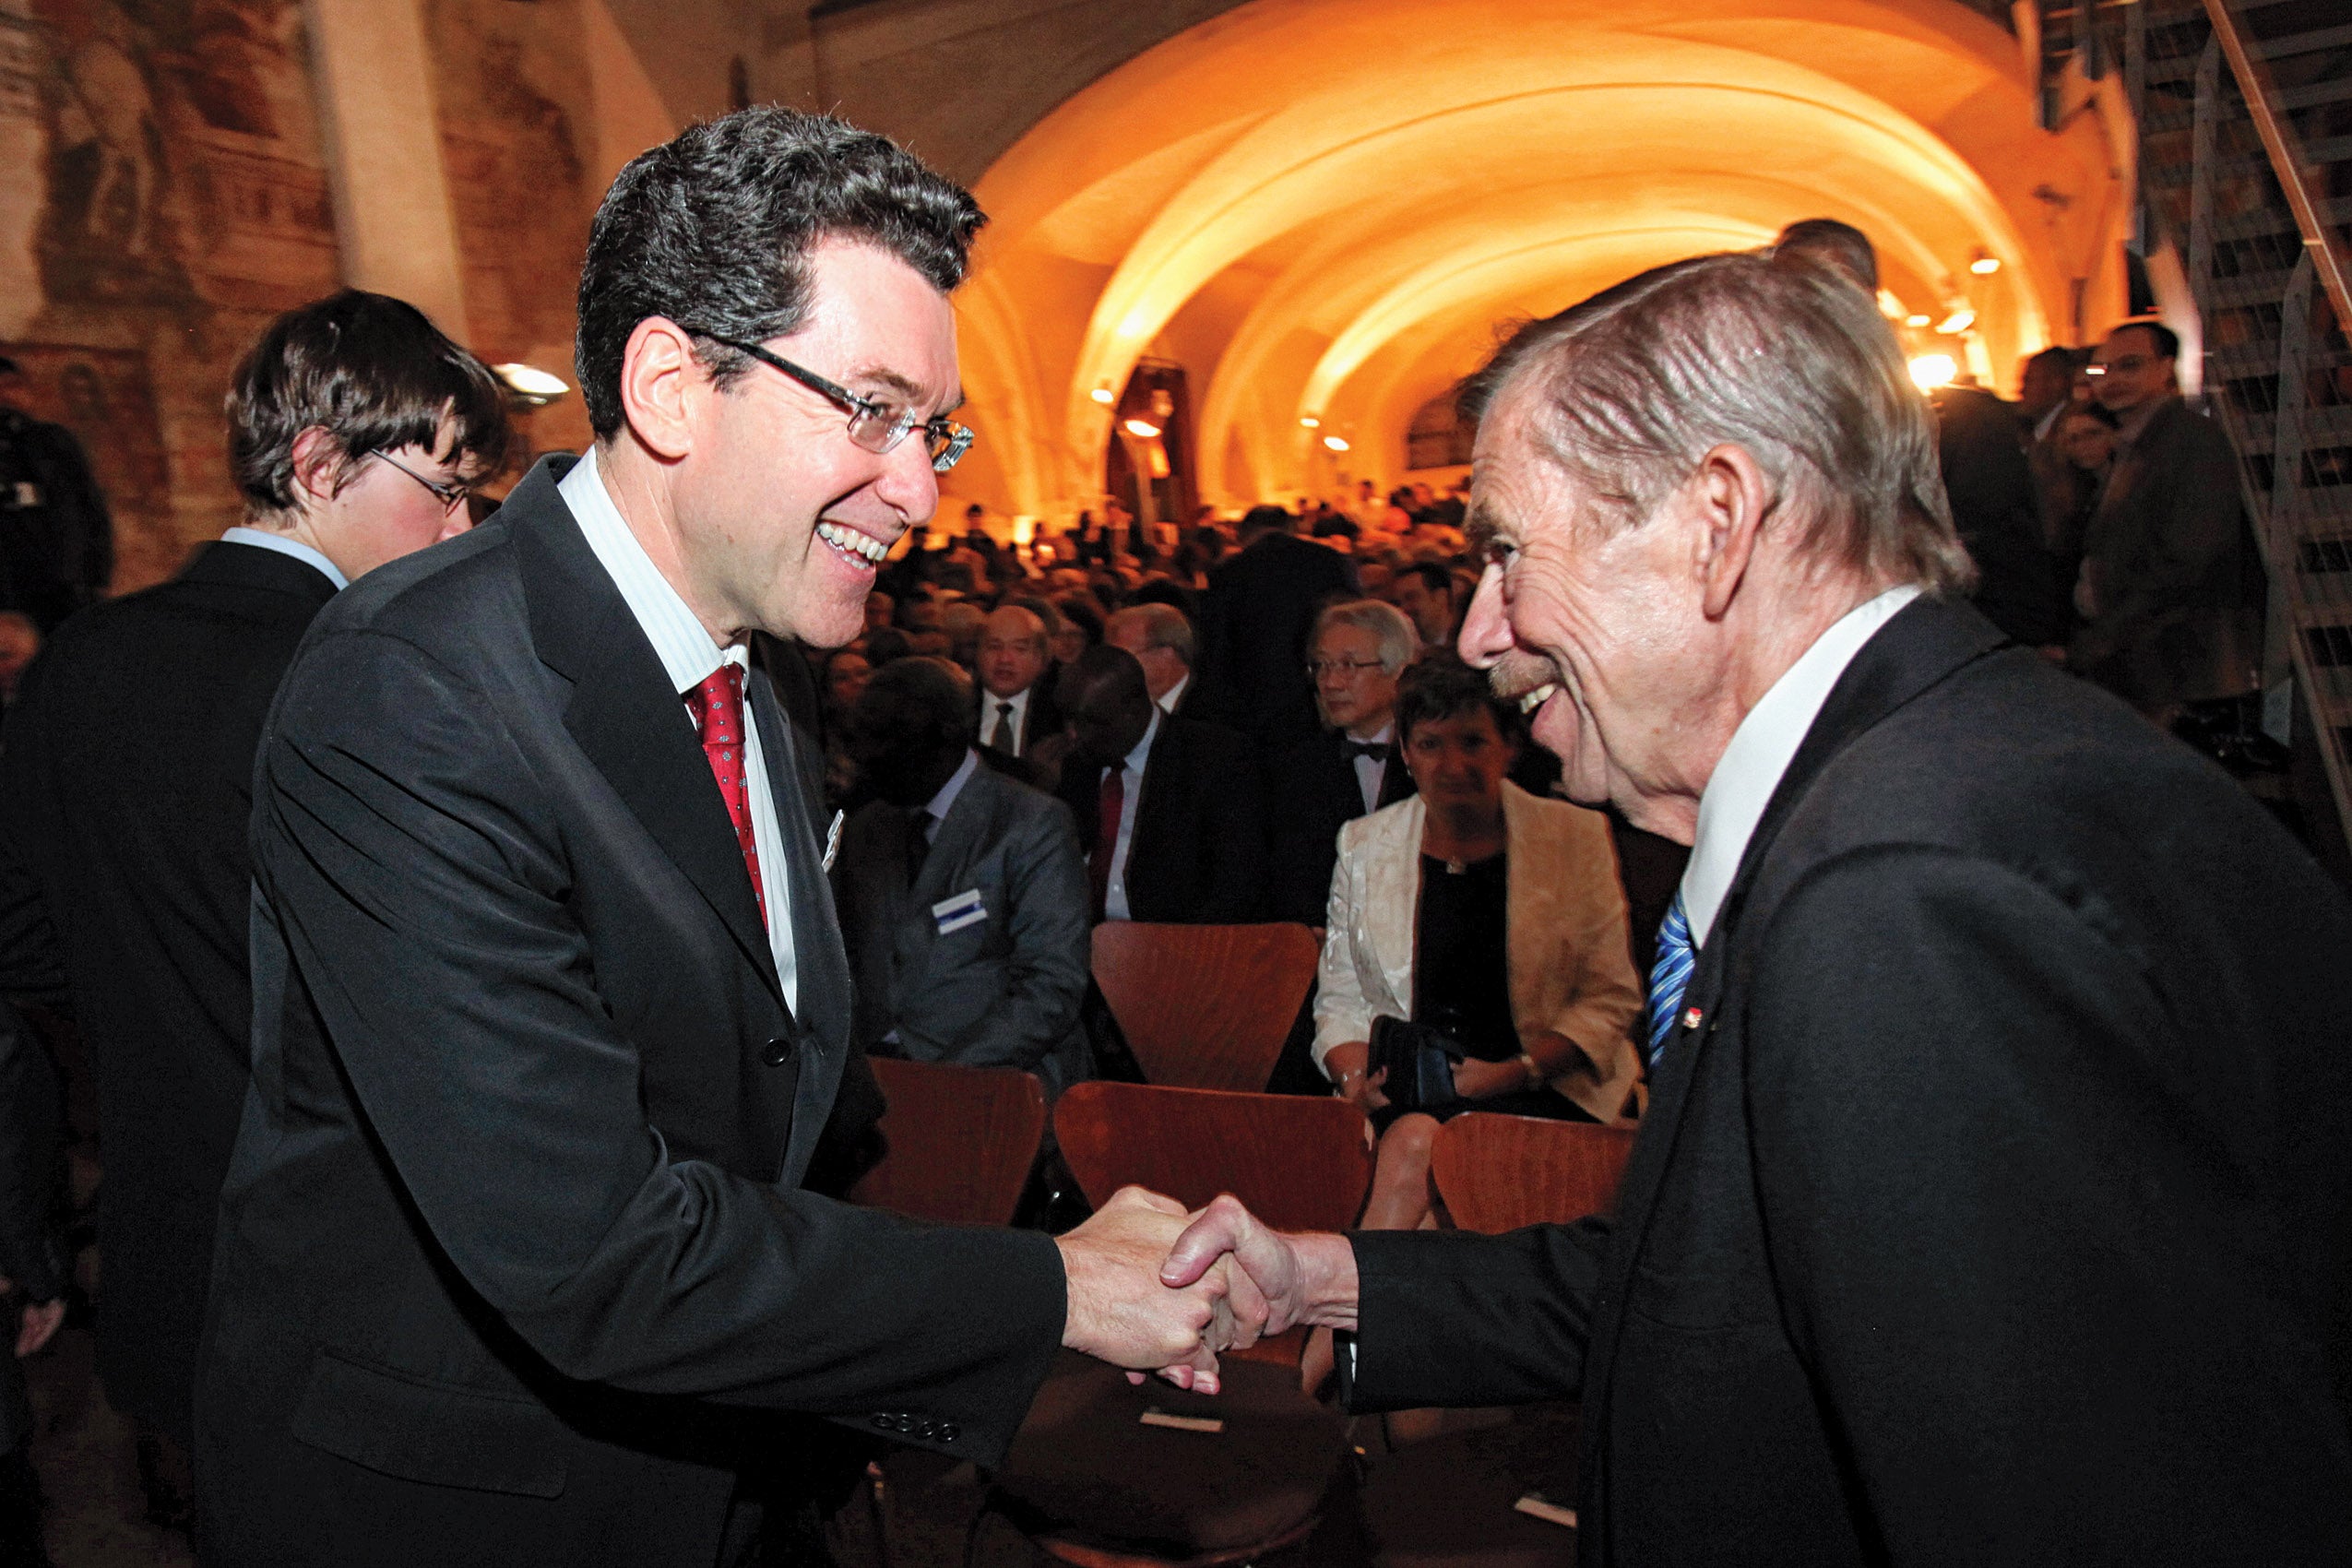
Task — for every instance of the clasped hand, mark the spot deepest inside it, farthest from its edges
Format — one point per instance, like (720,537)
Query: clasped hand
(1152,1288)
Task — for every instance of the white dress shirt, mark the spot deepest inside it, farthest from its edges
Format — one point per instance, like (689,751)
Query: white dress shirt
(1175,693)
(1131,779)
(690,658)
(1761,751)
(262,539)
(993,708)
(945,801)
(1370,773)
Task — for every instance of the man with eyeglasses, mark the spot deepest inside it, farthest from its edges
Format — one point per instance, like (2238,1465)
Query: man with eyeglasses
(552,1005)
(2169,591)
(126,783)
(1349,767)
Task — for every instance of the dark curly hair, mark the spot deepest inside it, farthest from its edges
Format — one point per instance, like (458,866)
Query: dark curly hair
(713,229)
(1438,686)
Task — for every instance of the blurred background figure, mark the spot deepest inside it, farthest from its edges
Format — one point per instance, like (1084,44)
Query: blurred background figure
(57,541)
(1348,765)
(1161,640)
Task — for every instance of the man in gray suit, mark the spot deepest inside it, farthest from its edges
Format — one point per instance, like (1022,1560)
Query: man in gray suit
(962,894)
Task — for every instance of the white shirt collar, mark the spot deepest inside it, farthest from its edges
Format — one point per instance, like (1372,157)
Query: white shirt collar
(262,539)
(684,647)
(1175,693)
(1020,701)
(1136,758)
(945,801)
(1761,751)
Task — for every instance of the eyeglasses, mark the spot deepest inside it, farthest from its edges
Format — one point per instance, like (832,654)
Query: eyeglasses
(1346,669)
(451,496)
(876,427)
(2130,364)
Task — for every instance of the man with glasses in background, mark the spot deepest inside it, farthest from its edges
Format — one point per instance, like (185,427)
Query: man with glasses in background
(354,430)
(1349,768)
(2170,591)
(552,1007)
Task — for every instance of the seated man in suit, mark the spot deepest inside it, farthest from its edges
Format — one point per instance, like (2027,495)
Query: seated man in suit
(1990,1203)
(1017,715)
(1167,809)
(962,894)
(1350,766)
(1161,640)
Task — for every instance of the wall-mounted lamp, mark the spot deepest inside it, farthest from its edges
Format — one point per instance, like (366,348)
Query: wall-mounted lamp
(1309,422)
(1336,442)
(1985,266)
(1917,320)
(1104,396)
(1143,429)
(1889,306)
(530,386)
(1959,321)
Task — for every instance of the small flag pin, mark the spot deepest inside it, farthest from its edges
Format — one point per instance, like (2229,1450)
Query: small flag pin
(1690,1018)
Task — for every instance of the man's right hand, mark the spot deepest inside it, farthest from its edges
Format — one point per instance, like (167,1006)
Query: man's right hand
(1121,1311)
(1306,1278)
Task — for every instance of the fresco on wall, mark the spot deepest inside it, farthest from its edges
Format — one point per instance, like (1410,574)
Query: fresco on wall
(177,200)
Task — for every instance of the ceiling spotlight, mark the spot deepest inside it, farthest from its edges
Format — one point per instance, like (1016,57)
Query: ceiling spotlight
(1985,266)
(1917,320)
(530,386)
(1931,371)
(1959,321)
(1311,421)
(1143,428)
(1104,396)
(1336,442)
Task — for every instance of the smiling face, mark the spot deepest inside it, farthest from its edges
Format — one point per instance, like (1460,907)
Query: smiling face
(1605,623)
(780,518)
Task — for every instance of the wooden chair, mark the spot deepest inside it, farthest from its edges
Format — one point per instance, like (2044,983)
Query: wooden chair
(958,1146)
(1205,1006)
(959,1141)
(1087,1480)
(1452,1499)
(1498,1173)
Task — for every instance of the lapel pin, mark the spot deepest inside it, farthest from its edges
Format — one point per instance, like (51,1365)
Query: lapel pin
(1690,1018)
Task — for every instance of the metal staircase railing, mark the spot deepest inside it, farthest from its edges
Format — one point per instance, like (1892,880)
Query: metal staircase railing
(2244,110)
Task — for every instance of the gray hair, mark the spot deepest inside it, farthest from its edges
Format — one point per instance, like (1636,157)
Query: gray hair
(1789,361)
(1400,644)
(1164,627)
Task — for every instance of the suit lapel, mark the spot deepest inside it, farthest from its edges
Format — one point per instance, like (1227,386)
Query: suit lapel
(1925,642)
(952,848)
(626,718)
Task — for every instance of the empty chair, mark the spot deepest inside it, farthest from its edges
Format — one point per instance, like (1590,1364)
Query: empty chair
(1205,1006)
(959,1141)
(1454,1499)
(1093,1480)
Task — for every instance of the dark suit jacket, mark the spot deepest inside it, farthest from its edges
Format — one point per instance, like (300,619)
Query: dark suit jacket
(1255,619)
(2178,612)
(1044,718)
(1311,794)
(516,1197)
(29,1255)
(1996,1210)
(57,555)
(1002,992)
(1198,853)
(126,788)
(1990,487)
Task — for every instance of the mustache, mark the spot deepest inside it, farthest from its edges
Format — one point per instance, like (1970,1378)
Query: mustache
(1516,673)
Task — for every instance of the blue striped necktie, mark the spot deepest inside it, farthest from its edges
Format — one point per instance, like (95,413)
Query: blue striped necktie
(1669,975)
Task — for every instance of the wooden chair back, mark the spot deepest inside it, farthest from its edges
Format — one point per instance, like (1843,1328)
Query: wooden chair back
(959,1141)
(1298,1162)
(1499,1173)
(1205,1006)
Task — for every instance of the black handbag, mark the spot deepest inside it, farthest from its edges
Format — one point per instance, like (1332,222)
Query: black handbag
(1419,1060)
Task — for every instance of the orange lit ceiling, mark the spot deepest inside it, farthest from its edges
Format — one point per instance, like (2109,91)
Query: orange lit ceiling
(1324,207)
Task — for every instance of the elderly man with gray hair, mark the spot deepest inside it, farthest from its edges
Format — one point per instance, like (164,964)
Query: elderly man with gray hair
(1161,640)
(1991,1205)
(1349,767)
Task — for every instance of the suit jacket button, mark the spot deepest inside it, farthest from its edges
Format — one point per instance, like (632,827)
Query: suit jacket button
(882,1423)
(778,1051)
(949,1432)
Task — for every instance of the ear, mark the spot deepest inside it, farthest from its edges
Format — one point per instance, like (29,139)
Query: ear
(319,466)
(662,386)
(1731,494)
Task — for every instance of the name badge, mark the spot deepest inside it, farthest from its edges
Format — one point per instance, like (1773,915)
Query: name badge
(962,909)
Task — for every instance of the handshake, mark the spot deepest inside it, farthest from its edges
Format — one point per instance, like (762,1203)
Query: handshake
(1152,1288)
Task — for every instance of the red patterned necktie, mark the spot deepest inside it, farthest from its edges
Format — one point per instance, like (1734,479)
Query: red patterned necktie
(717,707)
(1106,845)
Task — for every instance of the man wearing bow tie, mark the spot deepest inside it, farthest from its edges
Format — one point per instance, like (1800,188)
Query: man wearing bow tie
(1347,768)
